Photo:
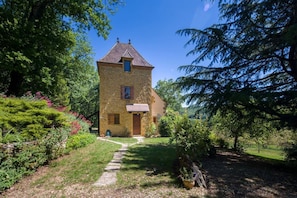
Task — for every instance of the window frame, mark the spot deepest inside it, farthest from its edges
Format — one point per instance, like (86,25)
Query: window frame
(113,119)
(124,90)
(127,92)
(129,66)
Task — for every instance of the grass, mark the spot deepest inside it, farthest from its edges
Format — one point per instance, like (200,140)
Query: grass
(148,170)
(270,152)
(159,140)
(84,165)
(124,140)
(150,164)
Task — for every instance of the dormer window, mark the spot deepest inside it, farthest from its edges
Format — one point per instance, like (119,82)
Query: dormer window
(127,65)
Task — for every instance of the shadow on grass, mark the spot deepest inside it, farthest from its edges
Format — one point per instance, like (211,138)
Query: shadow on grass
(156,160)
(239,175)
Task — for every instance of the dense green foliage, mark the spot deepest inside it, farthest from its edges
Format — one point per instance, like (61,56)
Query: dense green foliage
(25,120)
(44,48)
(80,140)
(291,152)
(19,159)
(167,123)
(83,81)
(170,93)
(32,134)
(151,130)
(36,37)
(252,60)
(191,137)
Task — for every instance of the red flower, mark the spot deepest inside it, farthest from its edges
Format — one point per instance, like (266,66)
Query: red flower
(75,127)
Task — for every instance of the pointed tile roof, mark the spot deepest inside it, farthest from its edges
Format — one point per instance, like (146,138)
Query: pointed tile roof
(126,50)
(127,54)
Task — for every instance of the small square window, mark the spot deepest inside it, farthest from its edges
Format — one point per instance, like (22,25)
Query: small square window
(113,118)
(127,66)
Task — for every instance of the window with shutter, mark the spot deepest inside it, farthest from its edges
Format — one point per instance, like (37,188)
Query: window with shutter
(113,118)
(127,92)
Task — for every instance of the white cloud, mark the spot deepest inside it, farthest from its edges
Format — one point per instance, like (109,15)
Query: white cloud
(207,6)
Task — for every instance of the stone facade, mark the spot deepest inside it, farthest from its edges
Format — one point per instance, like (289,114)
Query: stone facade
(113,78)
(158,107)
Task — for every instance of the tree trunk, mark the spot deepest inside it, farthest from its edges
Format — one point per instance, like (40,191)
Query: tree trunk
(16,81)
(235,145)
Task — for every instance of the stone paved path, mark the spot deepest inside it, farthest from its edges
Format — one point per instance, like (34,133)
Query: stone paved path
(109,175)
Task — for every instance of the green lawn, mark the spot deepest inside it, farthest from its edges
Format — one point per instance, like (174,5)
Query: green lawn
(154,158)
(124,140)
(159,140)
(84,165)
(270,152)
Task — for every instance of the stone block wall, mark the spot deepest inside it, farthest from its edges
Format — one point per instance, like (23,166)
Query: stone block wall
(112,77)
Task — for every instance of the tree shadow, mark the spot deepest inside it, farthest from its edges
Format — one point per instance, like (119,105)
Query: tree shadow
(154,159)
(231,174)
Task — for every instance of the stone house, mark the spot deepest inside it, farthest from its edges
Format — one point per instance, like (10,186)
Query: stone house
(128,104)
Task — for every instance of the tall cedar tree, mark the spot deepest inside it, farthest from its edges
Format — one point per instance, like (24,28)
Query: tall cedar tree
(253,55)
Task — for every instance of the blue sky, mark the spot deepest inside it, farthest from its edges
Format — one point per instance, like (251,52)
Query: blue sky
(151,25)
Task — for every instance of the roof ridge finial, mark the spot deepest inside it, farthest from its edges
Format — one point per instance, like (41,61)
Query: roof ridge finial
(129,42)
(118,40)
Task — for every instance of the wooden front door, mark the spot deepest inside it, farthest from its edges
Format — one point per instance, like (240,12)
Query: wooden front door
(136,124)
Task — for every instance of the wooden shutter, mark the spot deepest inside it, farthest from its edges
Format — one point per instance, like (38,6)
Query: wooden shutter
(110,119)
(132,92)
(122,92)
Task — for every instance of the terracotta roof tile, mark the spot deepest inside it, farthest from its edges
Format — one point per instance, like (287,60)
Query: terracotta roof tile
(120,50)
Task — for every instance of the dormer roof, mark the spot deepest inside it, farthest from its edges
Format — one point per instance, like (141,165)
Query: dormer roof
(124,50)
(127,54)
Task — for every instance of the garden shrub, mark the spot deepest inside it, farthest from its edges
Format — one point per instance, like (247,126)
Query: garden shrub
(191,137)
(23,158)
(78,123)
(27,119)
(167,123)
(80,140)
(151,131)
(32,133)
(291,152)
(222,143)
(164,127)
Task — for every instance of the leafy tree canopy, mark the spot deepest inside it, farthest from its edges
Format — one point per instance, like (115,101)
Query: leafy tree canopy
(35,38)
(170,93)
(83,80)
(253,60)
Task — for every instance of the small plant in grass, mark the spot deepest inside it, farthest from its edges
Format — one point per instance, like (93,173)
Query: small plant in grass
(186,173)
(80,140)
